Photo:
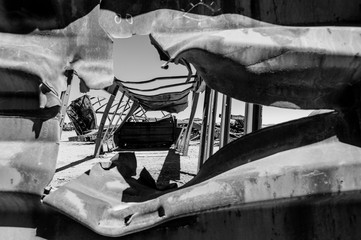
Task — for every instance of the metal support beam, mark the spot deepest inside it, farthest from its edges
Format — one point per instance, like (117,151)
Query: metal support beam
(204,130)
(186,138)
(98,142)
(225,120)
(179,140)
(212,122)
(65,98)
(133,108)
(108,131)
(253,117)
(125,108)
(209,120)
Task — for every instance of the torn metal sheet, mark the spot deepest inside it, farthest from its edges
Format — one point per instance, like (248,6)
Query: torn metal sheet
(95,199)
(315,157)
(294,67)
(125,18)
(44,56)
(170,96)
(25,17)
(289,67)
(299,68)
(172,102)
(316,217)
(188,20)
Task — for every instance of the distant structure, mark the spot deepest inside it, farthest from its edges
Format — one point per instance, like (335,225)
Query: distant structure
(82,115)
(68,127)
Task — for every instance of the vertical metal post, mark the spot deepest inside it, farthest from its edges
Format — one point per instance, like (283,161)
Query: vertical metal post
(188,132)
(65,98)
(125,108)
(253,117)
(212,123)
(98,141)
(202,146)
(225,120)
(110,128)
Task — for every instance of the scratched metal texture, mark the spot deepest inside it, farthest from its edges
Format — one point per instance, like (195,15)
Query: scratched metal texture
(323,159)
(314,182)
(311,66)
(321,217)
(29,149)
(45,55)
(281,66)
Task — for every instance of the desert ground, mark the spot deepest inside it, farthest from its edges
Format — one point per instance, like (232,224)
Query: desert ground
(165,166)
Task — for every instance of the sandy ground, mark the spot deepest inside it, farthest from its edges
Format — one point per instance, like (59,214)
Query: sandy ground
(164,166)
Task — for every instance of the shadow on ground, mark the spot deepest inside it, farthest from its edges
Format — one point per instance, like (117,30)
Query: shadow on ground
(74,163)
(170,169)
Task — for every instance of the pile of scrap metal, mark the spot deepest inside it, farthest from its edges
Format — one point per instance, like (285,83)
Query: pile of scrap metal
(236,128)
(196,127)
(137,131)
(82,115)
(296,180)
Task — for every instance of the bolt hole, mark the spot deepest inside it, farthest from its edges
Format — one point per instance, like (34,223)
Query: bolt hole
(127,219)
(161,212)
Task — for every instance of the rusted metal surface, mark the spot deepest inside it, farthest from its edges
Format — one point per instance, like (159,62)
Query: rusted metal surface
(29,149)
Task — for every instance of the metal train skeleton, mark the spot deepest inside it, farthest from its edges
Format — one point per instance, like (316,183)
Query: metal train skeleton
(296,180)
